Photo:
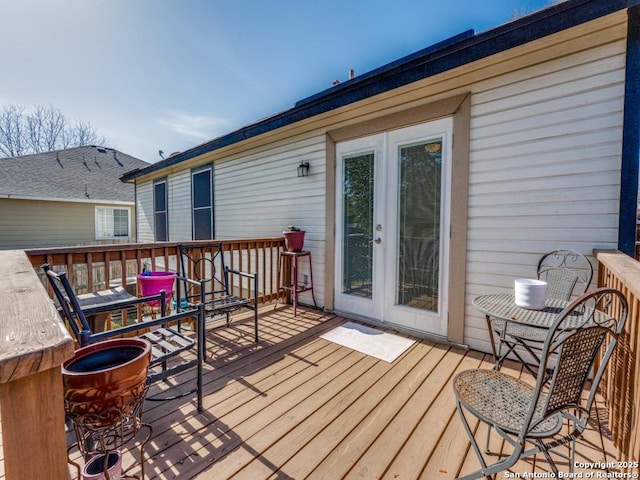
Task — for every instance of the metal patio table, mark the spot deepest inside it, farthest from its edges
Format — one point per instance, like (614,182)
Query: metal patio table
(505,318)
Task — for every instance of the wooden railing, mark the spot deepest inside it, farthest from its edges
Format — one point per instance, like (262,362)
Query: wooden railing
(98,267)
(92,268)
(34,341)
(621,387)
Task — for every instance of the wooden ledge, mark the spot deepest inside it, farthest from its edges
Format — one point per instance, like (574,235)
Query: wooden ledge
(33,338)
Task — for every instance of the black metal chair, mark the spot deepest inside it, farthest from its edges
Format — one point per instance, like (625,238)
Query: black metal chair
(568,273)
(205,280)
(536,416)
(167,342)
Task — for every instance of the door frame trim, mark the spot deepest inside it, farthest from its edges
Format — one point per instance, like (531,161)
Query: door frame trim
(459,108)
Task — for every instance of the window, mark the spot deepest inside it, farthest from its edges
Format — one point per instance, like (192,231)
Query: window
(202,202)
(161,231)
(112,222)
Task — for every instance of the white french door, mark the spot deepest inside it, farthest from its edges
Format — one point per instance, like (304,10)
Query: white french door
(392,226)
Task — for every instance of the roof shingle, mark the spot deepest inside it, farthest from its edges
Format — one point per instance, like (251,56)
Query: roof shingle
(81,173)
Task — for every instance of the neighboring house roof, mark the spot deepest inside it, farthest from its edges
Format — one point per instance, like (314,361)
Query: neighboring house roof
(87,174)
(452,53)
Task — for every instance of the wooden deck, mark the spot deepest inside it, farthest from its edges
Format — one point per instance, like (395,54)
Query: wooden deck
(296,406)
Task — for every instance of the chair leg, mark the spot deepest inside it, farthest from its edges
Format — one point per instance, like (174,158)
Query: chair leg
(474,444)
(200,353)
(255,304)
(255,321)
(203,334)
(493,343)
(488,471)
(547,455)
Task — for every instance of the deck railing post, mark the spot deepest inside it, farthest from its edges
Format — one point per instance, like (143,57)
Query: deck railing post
(33,344)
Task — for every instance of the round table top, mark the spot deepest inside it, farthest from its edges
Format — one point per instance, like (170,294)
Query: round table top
(502,306)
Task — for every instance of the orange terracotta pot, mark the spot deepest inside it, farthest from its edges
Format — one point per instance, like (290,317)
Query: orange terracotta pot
(105,381)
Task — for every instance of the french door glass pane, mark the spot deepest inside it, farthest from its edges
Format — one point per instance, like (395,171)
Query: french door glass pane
(419,191)
(357,260)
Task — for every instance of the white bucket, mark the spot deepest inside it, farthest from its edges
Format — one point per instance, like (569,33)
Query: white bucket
(531,293)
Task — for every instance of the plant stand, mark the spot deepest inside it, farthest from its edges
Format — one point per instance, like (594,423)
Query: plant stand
(295,287)
(105,385)
(96,441)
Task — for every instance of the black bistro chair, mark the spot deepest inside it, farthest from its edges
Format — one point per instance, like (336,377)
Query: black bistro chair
(206,280)
(168,343)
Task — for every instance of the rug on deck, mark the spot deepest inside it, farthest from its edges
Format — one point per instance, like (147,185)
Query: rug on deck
(370,341)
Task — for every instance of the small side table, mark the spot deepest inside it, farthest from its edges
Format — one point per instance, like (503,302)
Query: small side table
(295,287)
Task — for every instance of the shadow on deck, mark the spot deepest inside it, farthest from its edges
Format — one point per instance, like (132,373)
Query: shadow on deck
(297,406)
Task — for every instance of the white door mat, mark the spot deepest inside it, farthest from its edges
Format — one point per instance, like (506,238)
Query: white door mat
(370,341)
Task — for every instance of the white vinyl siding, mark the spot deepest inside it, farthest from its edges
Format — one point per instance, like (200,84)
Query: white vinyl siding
(544,169)
(144,212)
(262,202)
(35,223)
(180,206)
(252,202)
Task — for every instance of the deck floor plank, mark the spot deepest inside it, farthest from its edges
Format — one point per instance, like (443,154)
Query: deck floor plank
(296,406)
(450,451)
(339,430)
(234,418)
(375,459)
(429,426)
(351,451)
(349,384)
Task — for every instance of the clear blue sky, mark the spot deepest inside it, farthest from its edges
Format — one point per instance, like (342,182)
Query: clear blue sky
(168,75)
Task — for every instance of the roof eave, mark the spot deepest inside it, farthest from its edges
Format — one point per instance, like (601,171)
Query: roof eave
(455,52)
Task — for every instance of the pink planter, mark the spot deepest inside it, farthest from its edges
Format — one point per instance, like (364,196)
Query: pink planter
(151,283)
(294,240)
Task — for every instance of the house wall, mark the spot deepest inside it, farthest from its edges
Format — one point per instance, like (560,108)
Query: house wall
(144,212)
(179,200)
(35,223)
(544,161)
(545,166)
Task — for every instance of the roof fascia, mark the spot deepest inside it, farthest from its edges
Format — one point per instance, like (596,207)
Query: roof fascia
(457,51)
(95,201)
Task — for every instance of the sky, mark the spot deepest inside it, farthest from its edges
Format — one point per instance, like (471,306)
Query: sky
(168,75)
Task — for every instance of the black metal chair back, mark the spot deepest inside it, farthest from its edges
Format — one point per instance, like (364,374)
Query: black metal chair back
(68,303)
(205,264)
(166,341)
(206,280)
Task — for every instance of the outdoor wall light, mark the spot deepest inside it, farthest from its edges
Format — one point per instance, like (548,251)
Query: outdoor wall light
(303,169)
